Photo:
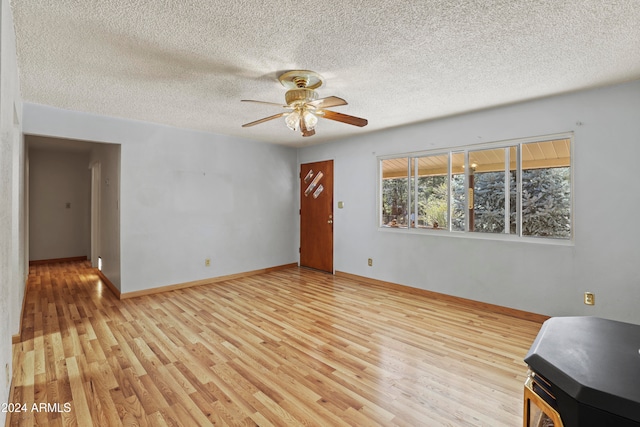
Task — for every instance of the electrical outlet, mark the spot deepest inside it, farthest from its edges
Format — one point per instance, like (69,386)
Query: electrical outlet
(370,262)
(207,262)
(589,298)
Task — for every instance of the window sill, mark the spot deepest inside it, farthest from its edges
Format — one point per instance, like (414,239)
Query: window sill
(477,236)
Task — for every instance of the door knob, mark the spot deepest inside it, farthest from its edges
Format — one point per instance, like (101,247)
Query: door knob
(330,222)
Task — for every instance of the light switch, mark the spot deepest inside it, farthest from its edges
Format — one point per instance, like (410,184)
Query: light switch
(340,205)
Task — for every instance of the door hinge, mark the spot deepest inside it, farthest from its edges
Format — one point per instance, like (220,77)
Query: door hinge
(299,250)
(299,211)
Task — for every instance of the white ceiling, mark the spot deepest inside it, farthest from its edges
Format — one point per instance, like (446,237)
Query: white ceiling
(188,63)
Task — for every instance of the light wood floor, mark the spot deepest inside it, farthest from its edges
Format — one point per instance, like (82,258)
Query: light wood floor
(290,347)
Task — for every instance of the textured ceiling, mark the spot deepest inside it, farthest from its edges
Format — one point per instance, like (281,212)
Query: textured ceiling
(188,63)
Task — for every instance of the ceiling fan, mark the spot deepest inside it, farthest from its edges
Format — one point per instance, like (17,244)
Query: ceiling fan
(304,104)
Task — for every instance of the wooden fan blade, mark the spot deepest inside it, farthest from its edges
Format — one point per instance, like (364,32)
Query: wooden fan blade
(265,102)
(344,118)
(330,101)
(266,119)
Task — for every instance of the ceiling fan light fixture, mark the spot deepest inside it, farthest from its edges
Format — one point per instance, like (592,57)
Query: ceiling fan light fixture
(310,119)
(293,120)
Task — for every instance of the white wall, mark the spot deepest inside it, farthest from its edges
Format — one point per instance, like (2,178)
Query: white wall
(12,226)
(541,278)
(108,156)
(57,178)
(186,196)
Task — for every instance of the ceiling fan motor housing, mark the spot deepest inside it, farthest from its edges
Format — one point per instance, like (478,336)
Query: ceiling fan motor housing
(300,96)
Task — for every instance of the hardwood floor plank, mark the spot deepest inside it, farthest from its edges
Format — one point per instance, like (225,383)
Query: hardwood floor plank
(285,348)
(273,411)
(80,404)
(102,407)
(156,419)
(129,409)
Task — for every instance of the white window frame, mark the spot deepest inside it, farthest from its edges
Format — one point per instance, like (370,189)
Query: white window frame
(412,169)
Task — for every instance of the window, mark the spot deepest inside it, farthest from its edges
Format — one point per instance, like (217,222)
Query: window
(431,191)
(487,203)
(520,188)
(395,192)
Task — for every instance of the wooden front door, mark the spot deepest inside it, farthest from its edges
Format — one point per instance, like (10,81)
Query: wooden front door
(316,215)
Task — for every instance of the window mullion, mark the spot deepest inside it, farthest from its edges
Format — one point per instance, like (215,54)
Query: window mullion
(409,198)
(519,190)
(467,219)
(449,191)
(413,222)
(507,190)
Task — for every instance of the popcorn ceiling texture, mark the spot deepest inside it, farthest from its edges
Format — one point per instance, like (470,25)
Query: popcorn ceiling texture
(188,63)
